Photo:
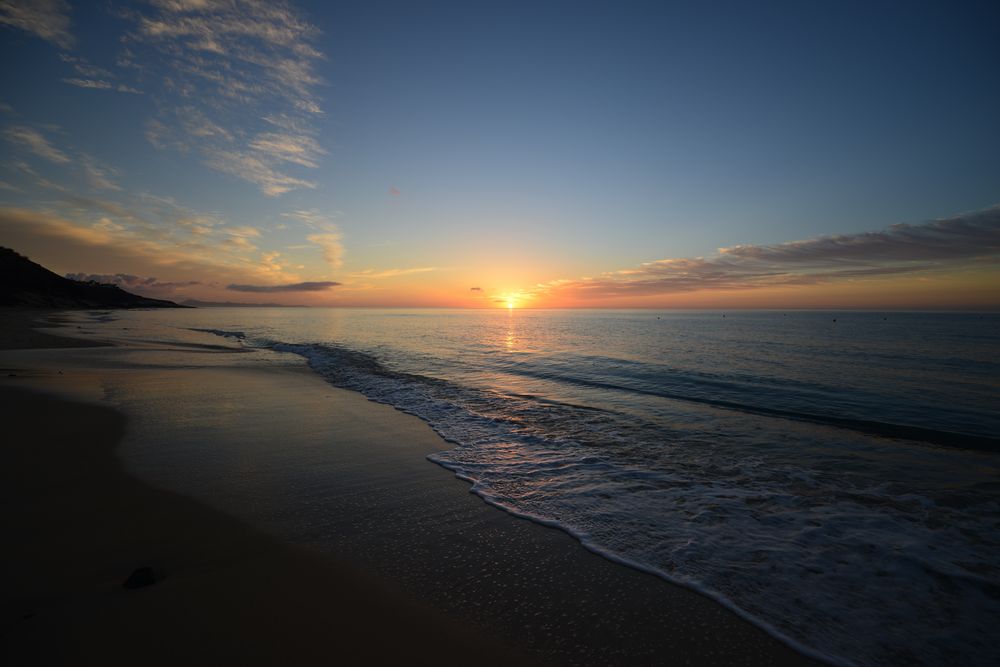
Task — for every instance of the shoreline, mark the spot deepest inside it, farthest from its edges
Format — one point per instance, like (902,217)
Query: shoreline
(77,524)
(479,568)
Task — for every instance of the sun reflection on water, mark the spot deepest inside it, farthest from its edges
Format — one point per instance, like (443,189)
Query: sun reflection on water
(510,341)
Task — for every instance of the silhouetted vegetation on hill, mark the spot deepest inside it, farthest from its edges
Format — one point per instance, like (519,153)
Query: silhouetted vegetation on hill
(26,284)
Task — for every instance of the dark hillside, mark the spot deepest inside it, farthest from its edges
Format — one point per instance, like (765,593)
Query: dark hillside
(28,285)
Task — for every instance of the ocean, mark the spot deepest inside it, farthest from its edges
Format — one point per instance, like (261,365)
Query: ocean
(831,476)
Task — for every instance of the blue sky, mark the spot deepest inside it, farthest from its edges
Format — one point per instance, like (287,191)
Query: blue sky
(513,144)
(713,123)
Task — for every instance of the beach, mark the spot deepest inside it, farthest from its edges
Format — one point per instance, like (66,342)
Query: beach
(547,334)
(406,565)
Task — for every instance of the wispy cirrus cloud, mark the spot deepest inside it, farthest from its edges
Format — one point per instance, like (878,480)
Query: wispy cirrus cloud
(130,218)
(245,231)
(96,84)
(97,175)
(35,142)
(100,84)
(84,68)
(94,235)
(296,149)
(48,19)
(247,67)
(80,237)
(332,246)
(320,286)
(91,76)
(961,240)
(92,171)
(255,168)
(125,216)
(313,218)
(327,235)
(392,273)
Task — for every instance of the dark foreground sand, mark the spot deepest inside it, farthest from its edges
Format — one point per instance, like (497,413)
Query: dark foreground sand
(400,562)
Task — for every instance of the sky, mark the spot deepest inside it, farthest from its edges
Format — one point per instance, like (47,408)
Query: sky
(537,154)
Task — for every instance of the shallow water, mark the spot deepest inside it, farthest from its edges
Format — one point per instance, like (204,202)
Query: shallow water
(833,476)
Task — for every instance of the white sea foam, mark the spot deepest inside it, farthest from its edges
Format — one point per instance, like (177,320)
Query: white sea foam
(818,556)
(851,545)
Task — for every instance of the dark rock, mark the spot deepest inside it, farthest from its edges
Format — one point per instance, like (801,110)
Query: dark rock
(141,577)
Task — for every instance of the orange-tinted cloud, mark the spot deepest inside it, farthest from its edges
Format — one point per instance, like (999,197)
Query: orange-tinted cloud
(959,243)
(66,246)
(320,286)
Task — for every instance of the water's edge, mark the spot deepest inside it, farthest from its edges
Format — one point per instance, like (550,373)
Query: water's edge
(589,545)
(801,501)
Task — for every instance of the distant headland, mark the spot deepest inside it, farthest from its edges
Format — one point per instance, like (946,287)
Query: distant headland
(25,284)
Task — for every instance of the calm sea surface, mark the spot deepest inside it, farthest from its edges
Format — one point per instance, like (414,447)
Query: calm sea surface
(831,475)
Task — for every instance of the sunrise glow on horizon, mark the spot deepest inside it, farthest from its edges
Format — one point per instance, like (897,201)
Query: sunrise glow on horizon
(462,157)
(562,332)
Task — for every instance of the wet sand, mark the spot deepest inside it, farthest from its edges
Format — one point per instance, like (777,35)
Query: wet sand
(317,533)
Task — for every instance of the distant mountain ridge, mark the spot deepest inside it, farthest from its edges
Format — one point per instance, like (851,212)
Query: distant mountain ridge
(25,284)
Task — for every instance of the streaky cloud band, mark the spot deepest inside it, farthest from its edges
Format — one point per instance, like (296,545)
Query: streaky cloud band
(293,287)
(964,240)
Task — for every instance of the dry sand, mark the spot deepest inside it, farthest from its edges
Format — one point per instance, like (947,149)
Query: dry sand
(393,558)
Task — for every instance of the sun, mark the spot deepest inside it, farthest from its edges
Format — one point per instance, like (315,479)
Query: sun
(510,300)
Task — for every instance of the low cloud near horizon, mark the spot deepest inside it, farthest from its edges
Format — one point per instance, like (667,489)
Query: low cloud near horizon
(960,241)
(130,282)
(183,249)
(192,254)
(321,286)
